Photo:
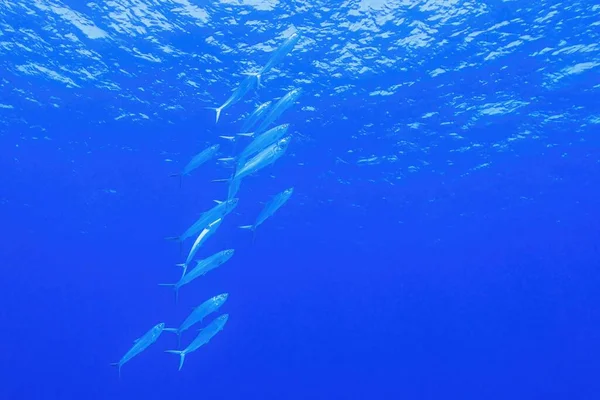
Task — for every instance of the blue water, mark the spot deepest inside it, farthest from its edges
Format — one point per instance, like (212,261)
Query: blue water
(441,241)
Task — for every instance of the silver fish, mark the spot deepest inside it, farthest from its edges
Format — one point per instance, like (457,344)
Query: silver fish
(202,237)
(199,313)
(243,88)
(279,54)
(264,158)
(202,268)
(199,159)
(261,142)
(219,211)
(141,344)
(283,104)
(255,116)
(203,337)
(270,208)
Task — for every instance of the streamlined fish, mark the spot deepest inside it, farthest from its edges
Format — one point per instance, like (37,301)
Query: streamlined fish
(275,112)
(243,88)
(202,237)
(266,157)
(199,159)
(279,54)
(202,268)
(270,208)
(141,344)
(255,116)
(199,313)
(219,211)
(203,337)
(261,142)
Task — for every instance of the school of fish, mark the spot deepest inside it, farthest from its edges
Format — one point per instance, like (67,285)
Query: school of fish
(267,145)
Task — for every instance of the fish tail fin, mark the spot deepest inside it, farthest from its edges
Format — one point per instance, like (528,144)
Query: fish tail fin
(246,227)
(118,365)
(181,356)
(217,111)
(230,138)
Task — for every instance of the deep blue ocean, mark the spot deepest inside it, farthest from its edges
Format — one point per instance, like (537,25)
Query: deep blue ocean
(441,242)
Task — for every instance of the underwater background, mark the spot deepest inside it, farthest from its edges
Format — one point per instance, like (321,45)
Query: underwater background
(441,241)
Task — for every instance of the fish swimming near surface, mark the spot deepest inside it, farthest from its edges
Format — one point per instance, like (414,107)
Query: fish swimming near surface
(219,211)
(244,87)
(202,268)
(141,344)
(270,208)
(202,237)
(198,160)
(203,337)
(255,116)
(275,112)
(279,55)
(199,313)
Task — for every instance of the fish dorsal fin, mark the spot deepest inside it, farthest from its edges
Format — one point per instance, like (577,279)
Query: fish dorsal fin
(218,201)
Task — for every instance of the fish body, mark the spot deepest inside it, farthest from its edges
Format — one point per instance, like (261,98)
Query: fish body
(202,268)
(200,159)
(261,142)
(255,116)
(202,237)
(203,337)
(234,187)
(219,211)
(271,207)
(141,344)
(244,87)
(202,311)
(274,112)
(264,158)
(279,54)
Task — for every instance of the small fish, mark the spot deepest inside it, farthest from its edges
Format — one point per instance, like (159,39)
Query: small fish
(219,211)
(203,337)
(198,160)
(255,116)
(279,54)
(199,313)
(202,268)
(274,112)
(243,88)
(270,208)
(141,344)
(202,237)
